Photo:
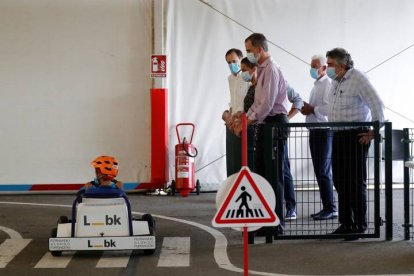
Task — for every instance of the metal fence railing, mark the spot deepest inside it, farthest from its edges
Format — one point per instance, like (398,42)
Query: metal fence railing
(306,190)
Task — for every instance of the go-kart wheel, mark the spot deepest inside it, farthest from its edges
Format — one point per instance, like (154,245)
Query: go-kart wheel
(55,253)
(151,225)
(63,219)
(173,188)
(151,222)
(198,187)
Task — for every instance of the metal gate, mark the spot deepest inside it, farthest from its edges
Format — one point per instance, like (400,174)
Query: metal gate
(306,189)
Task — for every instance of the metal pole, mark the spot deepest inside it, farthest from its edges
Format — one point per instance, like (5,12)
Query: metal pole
(388,181)
(244,140)
(244,163)
(406,224)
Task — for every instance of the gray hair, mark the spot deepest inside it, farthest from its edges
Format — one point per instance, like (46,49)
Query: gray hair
(341,56)
(321,59)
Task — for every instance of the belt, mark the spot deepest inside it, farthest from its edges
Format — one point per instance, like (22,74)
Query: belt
(278,118)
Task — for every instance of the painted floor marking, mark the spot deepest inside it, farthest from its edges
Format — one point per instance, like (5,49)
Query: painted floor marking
(10,248)
(220,246)
(48,261)
(175,252)
(12,234)
(114,259)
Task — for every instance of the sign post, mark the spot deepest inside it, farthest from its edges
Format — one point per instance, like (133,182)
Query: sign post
(244,164)
(249,201)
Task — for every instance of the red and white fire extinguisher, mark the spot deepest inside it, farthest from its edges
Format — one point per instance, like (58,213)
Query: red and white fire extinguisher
(185,153)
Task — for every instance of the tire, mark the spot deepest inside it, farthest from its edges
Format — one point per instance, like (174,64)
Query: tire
(198,187)
(173,188)
(63,219)
(53,235)
(151,225)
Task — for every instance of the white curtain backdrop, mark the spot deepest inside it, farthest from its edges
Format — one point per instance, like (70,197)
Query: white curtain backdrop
(198,36)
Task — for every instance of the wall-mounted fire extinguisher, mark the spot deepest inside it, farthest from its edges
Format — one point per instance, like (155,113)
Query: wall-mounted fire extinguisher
(185,154)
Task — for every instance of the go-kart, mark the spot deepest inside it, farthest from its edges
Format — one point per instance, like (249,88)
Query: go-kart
(102,220)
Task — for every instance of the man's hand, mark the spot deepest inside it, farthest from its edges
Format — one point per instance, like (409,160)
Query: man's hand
(366,137)
(237,123)
(307,109)
(226,116)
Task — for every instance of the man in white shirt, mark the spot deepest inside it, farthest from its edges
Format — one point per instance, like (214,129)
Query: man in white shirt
(238,89)
(320,138)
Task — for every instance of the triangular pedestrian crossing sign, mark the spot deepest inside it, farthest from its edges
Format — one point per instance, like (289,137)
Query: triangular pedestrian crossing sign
(245,204)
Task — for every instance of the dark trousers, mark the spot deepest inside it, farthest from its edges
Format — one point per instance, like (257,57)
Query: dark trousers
(289,189)
(349,168)
(320,144)
(273,171)
(233,153)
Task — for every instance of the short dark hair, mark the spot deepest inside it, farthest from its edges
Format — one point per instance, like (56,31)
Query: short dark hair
(234,50)
(246,62)
(341,56)
(258,40)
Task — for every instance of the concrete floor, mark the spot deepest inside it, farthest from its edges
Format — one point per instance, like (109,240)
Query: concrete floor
(291,257)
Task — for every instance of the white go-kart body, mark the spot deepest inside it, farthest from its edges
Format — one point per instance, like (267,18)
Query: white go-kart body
(103,223)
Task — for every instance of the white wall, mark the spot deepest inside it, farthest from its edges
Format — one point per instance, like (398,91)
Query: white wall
(74,84)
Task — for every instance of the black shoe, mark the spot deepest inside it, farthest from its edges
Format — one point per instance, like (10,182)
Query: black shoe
(355,230)
(325,215)
(316,214)
(278,231)
(342,230)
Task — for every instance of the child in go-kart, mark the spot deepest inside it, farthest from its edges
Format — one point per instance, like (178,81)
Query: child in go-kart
(106,169)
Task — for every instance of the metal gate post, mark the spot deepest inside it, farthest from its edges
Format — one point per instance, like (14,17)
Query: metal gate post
(407,223)
(388,181)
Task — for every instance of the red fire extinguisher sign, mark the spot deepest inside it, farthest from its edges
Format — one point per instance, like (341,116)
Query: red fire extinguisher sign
(158,66)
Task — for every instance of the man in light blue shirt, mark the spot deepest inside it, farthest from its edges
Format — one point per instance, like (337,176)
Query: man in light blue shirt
(320,139)
(352,99)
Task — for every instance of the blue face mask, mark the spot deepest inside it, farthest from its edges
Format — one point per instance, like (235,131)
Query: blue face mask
(314,73)
(246,76)
(251,57)
(331,73)
(234,67)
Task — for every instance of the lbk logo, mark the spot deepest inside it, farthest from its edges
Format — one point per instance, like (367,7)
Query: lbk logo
(106,243)
(109,220)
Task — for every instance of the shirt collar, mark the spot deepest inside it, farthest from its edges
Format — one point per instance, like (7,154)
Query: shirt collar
(266,62)
(348,74)
(321,79)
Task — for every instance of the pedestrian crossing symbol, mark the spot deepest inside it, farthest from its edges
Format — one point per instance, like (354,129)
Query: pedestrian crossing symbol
(247,203)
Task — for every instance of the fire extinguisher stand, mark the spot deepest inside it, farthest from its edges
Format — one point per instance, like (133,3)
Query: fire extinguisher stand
(185,153)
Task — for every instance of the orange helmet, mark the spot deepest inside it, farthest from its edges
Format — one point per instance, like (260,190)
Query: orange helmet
(107,165)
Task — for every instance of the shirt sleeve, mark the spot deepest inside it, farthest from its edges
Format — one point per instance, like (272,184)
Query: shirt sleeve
(294,97)
(368,93)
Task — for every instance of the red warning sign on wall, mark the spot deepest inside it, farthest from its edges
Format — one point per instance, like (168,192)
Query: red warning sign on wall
(158,66)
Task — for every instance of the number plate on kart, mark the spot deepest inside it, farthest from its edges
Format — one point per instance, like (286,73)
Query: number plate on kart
(102,243)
